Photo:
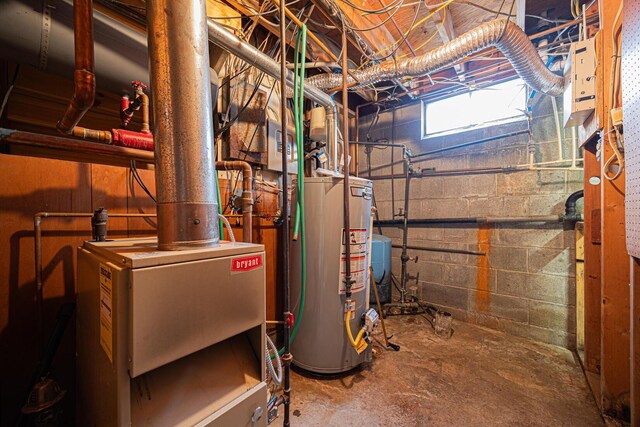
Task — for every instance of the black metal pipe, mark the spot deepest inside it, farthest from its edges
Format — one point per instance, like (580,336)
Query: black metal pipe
(472,220)
(444,250)
(345,152)
(432,172)
(570,209)
(380,144)
(476,142)
(404,258)
(285,215)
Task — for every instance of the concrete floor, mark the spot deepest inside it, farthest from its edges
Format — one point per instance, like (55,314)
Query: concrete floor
(480,377)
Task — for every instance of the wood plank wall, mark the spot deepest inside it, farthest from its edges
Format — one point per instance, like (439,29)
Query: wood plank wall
(607,267)
(31,185)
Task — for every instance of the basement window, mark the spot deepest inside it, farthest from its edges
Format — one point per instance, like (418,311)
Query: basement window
(490,106)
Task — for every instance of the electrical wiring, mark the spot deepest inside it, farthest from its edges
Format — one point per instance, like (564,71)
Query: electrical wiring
(254,15)
(423,44)
(500,10)
(413,25)
(136,176)
(271,91)
(513,3)
(396,45)
(9,90)
(617,156)
(380,11)
(553,21)
(382,23)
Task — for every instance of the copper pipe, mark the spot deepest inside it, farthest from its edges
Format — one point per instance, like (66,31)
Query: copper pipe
(247,194)
(145,113)
(103,136)
(84,78)
(11,141)
(141,101)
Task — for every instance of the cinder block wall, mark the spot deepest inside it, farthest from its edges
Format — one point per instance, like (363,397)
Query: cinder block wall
(525,284)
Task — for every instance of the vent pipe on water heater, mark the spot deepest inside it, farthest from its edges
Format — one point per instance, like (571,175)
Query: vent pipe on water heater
(183,127)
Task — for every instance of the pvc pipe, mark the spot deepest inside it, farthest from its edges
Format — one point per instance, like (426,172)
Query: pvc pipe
(556,115)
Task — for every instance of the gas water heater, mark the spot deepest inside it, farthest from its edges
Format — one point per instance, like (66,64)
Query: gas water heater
(321,344)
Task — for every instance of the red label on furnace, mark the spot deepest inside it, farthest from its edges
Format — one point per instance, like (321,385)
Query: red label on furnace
(246,263)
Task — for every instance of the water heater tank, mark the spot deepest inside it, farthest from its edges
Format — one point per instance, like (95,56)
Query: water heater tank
(321,344)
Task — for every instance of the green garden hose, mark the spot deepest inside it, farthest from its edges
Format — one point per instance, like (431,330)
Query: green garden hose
(299,226)
(220,224)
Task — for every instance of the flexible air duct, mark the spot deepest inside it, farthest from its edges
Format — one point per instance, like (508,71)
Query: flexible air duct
(499,33)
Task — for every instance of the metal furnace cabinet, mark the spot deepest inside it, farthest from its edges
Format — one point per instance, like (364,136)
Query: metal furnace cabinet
(170,338)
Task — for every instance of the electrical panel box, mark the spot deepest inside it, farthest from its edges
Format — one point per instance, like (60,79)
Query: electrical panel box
(274,132)
(580,83)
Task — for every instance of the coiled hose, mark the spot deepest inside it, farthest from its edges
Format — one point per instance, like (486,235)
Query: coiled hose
(500,33)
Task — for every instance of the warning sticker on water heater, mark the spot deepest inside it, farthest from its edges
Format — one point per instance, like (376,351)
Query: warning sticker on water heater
(106,311)
(359,260)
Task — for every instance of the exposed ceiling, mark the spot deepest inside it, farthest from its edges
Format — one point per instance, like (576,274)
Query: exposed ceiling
(426,24)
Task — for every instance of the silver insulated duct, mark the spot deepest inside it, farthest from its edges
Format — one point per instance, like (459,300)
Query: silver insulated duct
(500,33)
(183,127)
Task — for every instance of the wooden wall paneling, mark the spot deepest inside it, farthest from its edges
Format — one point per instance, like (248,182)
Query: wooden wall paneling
(139,202)
(33,185)
(615,360)
(264,232)
(635,341)
(580,293)
(109,190)
(592,264)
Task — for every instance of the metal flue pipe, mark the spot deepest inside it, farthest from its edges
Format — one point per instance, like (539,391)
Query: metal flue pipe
(183,126)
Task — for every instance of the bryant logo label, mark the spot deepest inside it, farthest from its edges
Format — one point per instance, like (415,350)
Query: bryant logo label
(247,263)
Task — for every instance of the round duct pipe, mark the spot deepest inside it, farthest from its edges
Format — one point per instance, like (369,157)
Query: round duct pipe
(500,33)
(183,124)
(35,34)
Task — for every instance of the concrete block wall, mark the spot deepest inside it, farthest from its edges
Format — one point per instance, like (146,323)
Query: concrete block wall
(525,284)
